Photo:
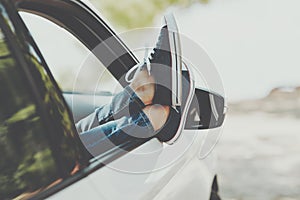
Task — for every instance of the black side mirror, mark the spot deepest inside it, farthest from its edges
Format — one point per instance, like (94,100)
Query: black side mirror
(207,110)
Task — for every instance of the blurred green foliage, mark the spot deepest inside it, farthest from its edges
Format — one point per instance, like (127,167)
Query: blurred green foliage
(36,137)
(137,13)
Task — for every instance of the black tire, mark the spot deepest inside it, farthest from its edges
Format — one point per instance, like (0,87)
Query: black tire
(215,190)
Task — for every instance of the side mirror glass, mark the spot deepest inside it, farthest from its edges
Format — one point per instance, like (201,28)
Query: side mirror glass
(207,110)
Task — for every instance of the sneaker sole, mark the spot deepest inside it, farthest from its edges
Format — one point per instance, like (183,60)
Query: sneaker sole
(176,60)
(177,72)
(185,109)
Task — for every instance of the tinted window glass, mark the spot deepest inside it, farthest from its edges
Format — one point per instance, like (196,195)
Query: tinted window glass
(37,144)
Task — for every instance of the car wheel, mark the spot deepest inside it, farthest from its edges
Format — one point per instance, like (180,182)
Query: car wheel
(214,190)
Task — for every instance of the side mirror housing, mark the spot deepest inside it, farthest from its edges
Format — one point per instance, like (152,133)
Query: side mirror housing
(207,110)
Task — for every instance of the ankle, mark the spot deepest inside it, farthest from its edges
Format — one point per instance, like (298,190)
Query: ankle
(157,115)
(143,85)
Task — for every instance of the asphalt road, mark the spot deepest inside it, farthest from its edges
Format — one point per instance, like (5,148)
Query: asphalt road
(259,157)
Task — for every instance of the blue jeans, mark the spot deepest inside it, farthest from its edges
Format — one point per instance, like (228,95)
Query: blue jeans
(115,124)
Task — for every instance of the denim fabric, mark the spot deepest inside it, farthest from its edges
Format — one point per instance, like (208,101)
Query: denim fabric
(125,103)
(116,123)
(115,133)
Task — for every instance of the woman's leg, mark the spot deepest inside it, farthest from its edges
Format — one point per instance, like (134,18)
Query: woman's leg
(128,102)
(141,92)
(135,128)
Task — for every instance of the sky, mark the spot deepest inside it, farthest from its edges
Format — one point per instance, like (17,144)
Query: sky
(255,44)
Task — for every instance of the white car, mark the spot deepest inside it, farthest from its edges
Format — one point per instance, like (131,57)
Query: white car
(42,155)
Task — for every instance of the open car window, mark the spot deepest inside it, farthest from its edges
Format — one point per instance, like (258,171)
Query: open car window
(75,68)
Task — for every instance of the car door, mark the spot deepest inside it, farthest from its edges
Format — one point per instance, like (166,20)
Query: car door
(151,170)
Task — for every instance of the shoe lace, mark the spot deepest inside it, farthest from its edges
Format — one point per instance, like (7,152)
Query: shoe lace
(134,68)
(147,58)
(151,55)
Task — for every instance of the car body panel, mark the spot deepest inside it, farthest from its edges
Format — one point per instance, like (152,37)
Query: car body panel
(188,176)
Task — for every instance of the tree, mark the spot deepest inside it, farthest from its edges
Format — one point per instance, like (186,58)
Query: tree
(137,13)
